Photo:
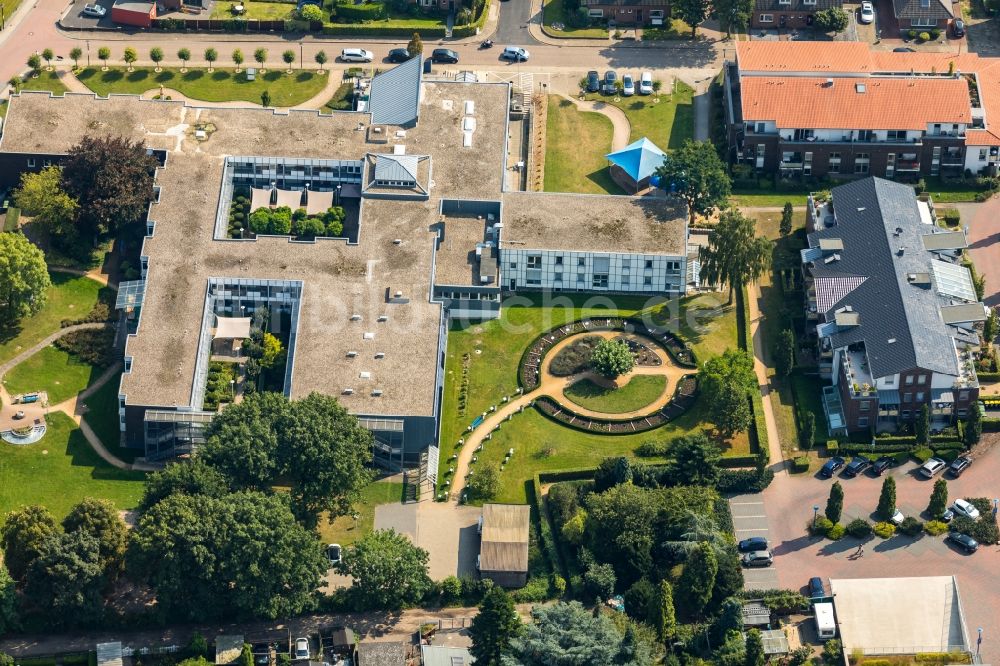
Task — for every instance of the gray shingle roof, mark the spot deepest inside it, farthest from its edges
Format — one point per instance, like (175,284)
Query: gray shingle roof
(777,6)
(396,167)
(395,94)
(900,322)
(922,9)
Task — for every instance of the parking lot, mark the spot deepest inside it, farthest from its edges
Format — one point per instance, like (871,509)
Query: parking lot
(75,19)
(750,520)
(798,556)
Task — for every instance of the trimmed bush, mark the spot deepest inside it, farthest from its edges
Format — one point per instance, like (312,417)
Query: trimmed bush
(832,447)
(924,36)
(835,533)
(922,455)
(859,528)
(800,464)
(935,527)
(820,526)
(743,480)
(911,526)
(884,530)
(371,11)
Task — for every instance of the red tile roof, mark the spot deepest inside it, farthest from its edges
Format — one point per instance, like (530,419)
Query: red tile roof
(814,57)
(904,103)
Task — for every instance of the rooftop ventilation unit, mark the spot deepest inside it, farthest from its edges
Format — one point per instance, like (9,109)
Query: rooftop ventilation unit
(380,355)
(892,340)
(352,354)
(829,83)
(859,88)
(397,294)
(832,258)
(365,375)
(355,317)
(376,393)
(347,391)
(383,318)
(369,336)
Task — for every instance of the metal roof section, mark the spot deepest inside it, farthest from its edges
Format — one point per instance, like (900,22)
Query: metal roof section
(397,175)
(963,313)
(832,290)
(946,240)
(953,280)
(394,98)
(396,167)
(109,654)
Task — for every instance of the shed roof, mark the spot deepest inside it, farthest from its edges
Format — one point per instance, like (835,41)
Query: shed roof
(505,537)
(228,648)
(394,98)
(443,655)
(381,653)
(639,159)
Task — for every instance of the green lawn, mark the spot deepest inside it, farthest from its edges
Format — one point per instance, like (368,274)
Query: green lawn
(60,373)
(677,29)
(61,470)
(640,391)
(944,191)
(256,9)
(575,145)
(9,7)
(554,13)
(667,123)
(70,297)
(45,81)
(3,108)
(751,198)
(492,374)
(341,100)
(221,85)
(345,530)
(102,417)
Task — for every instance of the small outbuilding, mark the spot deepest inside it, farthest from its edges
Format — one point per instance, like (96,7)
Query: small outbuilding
(503,553)
(130,12)
(381,653)
(444,655)
(634,166)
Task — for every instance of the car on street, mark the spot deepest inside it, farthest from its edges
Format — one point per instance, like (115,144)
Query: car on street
(882,464)
(515,54)
(816,588)
(959,465)
(963,541)
(932,467)
(897,517)
(94,10)
(752,544)
(831,467)
(758,558)
(628,85)
(356,55)
(609,87)
(867,12)
(646,83)
(301,648)
(334,553)
(593,81)
(399,55)
(964,508)
(958,28)
(444,55)
(856,466)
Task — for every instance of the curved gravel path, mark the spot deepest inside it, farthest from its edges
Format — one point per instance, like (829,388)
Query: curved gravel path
(619,121)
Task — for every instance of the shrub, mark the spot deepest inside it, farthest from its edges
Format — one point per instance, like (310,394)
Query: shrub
(371,11)
(836,532)
(884,530)
(923,454)
(820,526)
(800,464)
(983,529)
(652,449)
(912,34)
(832,447)
(935,33)
(924,36)
(743,480)
(911,526)
(935,527)
(311,13)
(833,651)
(536,590)
(859,528)
(92,346)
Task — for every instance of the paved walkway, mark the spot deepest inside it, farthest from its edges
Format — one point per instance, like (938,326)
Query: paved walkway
(619,121)
(760,368)
(553,386)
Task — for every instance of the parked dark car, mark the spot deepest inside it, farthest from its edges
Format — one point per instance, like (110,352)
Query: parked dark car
(444,55)
(399,55)
(752,544)
(959,465)
(856,466)
(816,588)
(882,464)
(963,541)
(593,81)
(831,467)
(958,28)
(610,82)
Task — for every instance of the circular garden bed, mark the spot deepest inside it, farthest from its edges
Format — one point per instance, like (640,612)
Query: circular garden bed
(640,391)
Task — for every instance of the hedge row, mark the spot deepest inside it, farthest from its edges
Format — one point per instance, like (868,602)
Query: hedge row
(549,544)
(473,28)
(737,462)
(855,448)
(988,376)
(758,434)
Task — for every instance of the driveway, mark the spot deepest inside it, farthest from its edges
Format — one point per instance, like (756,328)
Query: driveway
(750,520)
(446,531)
(512,28)
(799,556)
(75,19)
(984,244)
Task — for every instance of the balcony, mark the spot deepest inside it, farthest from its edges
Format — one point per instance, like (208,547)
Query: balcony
(847,140)
(907,165)
(857,374)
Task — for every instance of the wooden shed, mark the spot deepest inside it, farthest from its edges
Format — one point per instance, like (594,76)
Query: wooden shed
(503,553)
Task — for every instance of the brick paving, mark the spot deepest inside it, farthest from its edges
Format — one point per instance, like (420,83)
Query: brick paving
(984,245)
(798,556)
(750,520)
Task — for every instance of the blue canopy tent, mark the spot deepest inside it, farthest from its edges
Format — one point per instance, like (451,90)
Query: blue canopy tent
(633,166)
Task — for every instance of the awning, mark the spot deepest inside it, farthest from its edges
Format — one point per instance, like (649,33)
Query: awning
(290,198)
(259,198)
(318,202)
(232,328)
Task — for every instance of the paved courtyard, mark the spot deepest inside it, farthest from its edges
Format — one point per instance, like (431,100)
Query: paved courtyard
(446,531)
(798,557)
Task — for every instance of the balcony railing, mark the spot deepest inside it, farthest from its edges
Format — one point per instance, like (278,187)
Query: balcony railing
(907,165)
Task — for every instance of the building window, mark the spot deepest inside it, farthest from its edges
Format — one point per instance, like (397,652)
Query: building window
(626,264)
(534,262)
(581,261)
(513,265)
(982,154)
(579,278)
(963,395)
(647,280)
(922,379)
(559,261)
(907,397)
(961,412)
(649,263)
(557,277)
(625,280)
(920,396)
(866,405)
(909,380)
(808,2)
(595,13)
(31,162)
(896,135)
(863,422)
(767,18)
(861,163)
(905,414)
(600,280)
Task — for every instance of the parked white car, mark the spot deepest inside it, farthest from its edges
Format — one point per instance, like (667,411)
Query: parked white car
(515,54)
(646,83)
(94,10)
(867,12)
(964,508)
(897,518)
(301,648)
(628,85)
(356,55)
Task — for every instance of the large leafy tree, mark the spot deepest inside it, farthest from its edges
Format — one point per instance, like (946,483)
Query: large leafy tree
(783,353)
(726,381)
(112,180)
(696,174)
(565,633)
(612,358)
(388,570)
(64,583)
(98,518)
(242,555)
(734,15)
(23,534)
(41,195)
(324,451)
(735,256)
(24,278)
(694,587)
(694,461)
(692,12)
(835,503)
(192,478)
(242,441)
(9,620)
(493,628)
